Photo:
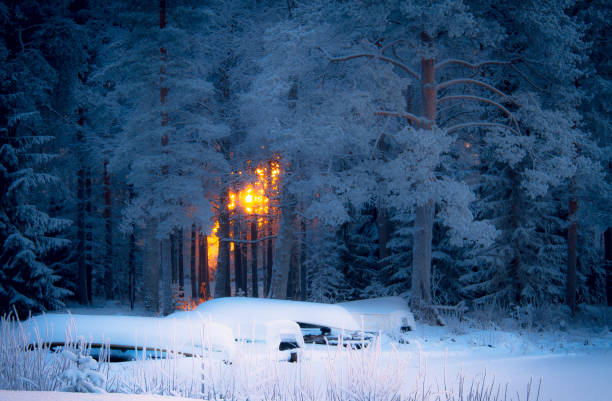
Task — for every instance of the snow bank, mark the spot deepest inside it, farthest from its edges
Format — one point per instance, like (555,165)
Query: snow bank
(248,316)
(381,314)
(283,330)
(59,396)
(218,322)
(183,334)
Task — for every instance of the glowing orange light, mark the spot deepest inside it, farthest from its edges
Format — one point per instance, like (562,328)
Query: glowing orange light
(253,199)
(212,242)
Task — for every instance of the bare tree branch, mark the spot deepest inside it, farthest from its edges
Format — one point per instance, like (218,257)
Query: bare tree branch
(450,83)
(371,56)
(405,115)
(448,62)
(484,100)
(481,124)
(244,241)
(525,78)
(391,45)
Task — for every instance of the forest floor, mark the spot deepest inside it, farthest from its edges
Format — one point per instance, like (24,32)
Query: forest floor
(568,362)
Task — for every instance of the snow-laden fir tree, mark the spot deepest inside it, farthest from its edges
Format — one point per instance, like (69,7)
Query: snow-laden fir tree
(526,179)
(28,234)
(327,282)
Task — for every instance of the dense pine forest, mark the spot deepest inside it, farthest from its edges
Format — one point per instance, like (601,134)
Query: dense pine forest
(162,153)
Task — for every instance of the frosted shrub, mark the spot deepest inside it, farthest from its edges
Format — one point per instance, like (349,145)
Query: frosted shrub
(29,363)
(82,376)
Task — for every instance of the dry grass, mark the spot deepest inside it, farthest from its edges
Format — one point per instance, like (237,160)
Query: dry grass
(338,374)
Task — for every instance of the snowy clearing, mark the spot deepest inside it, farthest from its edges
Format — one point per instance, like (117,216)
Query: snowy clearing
(428,363)
(62,396)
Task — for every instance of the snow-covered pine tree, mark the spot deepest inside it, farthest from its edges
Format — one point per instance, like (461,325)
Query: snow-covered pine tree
(28,234)
(525,180)
(327,282)
(358,246)
(167,145)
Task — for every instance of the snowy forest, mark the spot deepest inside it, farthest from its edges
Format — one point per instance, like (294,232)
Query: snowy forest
(163,153)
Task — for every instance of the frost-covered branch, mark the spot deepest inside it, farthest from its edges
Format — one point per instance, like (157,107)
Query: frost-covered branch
(484,100)
(525,78)
(448,62)
(453,82)
(371,56)
(480,124)
(408,116)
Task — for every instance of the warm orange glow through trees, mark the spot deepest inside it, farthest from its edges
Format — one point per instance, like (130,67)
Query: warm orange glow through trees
(254,198)
(212,242)
(252,203)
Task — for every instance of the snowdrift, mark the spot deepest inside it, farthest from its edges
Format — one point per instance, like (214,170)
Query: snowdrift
(217,323)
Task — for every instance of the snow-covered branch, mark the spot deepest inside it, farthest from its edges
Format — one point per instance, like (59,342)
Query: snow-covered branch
(448,62)
(480,124)
(484,100)
(372,56)
(452,82)
(408,116)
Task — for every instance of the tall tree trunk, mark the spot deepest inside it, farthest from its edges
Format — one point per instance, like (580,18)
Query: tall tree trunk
(181,261)
(515,216)
(204,279)
(192,265)
(269,261)
(421,253)
(302,258)
(88,235)
(254,246)
(608,256)
(167,300)
(423,233)
(132,270)
(240,288)
(292,284)
(82,265)
(284,246)
(132,261)
(572,242)
(165,246)
(151,268)
(245,264)
(108,237)
(173,257)
(222,274)
(384,228)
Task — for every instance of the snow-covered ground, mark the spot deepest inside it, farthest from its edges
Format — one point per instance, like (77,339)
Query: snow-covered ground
(563,365)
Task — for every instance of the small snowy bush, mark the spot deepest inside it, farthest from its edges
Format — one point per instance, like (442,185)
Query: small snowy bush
(83,375)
